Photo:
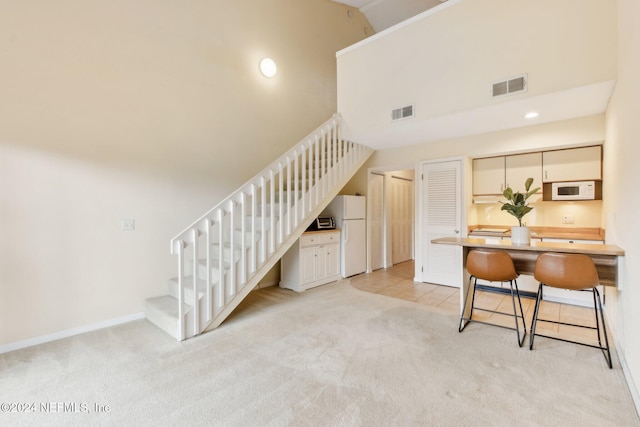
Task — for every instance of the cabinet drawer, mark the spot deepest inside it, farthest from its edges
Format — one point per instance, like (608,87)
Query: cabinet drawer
(330,238)
(310,239)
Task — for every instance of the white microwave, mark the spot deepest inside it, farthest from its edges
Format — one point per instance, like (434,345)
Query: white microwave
(579,190)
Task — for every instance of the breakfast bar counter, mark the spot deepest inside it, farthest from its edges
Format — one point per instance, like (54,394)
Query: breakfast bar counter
(605,257)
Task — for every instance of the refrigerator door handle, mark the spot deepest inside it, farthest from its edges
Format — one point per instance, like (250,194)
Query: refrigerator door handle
(346,231)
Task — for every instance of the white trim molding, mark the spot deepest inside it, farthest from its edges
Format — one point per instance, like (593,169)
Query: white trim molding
(6,348)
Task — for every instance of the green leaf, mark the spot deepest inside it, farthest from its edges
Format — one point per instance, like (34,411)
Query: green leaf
(527,184)
(508,193)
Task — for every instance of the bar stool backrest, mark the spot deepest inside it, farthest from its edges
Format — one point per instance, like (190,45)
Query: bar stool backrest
(494,266)
(566,271)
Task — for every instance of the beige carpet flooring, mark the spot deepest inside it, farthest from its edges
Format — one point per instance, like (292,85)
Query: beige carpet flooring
(332,356)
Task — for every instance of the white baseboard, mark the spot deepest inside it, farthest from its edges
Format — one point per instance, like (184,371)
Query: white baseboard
(627,376)
(6,348)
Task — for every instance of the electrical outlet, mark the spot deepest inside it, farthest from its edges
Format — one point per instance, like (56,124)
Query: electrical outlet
(128,224)
(567,219)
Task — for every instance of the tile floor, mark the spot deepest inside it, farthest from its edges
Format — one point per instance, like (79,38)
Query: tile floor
(397,282)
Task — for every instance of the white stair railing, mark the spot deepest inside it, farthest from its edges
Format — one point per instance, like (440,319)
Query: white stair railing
(223,255)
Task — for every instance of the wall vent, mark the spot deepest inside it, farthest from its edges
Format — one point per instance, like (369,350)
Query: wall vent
(509,86)
(402,113)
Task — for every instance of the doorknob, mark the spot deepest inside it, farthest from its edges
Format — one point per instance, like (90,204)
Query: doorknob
(456,231)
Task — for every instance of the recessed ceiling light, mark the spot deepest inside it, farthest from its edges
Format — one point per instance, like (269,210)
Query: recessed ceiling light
(531,115)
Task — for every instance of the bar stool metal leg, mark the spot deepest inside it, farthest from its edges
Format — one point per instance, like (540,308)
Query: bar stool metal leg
(600,321)
(471,292)
(498,267)
(534,322)
(600,327)
(463,320)
(513,283)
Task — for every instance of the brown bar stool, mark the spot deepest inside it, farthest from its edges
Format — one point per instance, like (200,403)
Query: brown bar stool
(575,272)
(493,266)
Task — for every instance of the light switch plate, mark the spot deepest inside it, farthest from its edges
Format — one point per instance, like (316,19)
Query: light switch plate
(128,224)
(567,219)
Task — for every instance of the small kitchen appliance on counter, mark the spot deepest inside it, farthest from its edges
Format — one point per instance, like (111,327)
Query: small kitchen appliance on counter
(323,223)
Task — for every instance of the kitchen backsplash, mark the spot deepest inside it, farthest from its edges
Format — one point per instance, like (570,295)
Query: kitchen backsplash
(544,214)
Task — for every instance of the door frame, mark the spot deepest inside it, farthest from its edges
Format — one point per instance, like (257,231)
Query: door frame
(465,202)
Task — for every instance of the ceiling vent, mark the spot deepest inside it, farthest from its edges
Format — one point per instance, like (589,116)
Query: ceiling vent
(402,113)
(509,86)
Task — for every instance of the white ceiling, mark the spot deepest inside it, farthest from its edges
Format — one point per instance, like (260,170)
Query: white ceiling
(563,105)
(383,14)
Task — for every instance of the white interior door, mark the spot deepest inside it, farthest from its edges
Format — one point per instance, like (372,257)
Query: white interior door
(441,216)
(401,219)
(376,220)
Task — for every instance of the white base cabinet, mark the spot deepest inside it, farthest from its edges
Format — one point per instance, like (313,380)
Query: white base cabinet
(313,260)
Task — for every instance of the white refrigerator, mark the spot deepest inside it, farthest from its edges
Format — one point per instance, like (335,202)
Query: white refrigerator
(350,214)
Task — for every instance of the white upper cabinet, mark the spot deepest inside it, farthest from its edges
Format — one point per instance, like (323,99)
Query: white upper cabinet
(520,167)
(491,175)
(573,164)
(488,175)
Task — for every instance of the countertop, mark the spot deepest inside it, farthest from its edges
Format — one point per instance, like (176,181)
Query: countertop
(605,257)
(326,230)
(569,233)
(590,249)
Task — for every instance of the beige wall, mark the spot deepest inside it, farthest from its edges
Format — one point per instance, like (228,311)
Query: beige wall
(621,178)
(147,110)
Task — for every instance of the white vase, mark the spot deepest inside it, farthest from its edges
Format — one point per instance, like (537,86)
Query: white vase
(520,235)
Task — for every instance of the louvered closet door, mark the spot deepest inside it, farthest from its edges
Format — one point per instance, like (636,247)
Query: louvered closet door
(441,217)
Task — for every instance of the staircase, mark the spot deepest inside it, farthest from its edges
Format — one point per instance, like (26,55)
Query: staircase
(225,253)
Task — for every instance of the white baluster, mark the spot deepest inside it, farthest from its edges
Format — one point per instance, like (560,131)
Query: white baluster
(232,245)
(209,238)
(305,171)
(222,300)
(317,162)
(181,322)
(195,305)
(280,207)
(243,245)
(272,219)
(296,173)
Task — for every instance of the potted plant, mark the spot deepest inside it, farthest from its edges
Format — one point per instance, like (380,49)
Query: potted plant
(517,206)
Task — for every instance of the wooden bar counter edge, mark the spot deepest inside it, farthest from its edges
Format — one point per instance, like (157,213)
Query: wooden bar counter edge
(605,257)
